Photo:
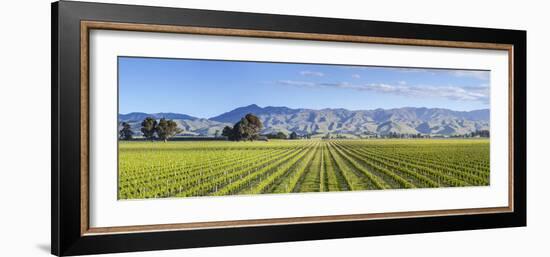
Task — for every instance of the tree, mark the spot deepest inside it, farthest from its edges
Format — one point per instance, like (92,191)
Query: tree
(217,133)
(278,135)
(126,132)
(480,133)
(248,128)
(281,135)
(293,135)
(240,130)
(167,129)
(228,132)
(254,126)
(148,128)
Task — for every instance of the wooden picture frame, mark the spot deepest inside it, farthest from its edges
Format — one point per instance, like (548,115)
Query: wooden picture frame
(71,25)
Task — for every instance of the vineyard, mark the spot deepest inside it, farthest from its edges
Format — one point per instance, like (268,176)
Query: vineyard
(217,168)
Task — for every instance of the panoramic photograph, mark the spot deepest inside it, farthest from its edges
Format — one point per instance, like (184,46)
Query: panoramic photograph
(196,128)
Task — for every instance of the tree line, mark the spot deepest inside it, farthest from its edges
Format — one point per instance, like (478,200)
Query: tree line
(480,133)
(282,135)
(151,129)
(477,133)
(248,128)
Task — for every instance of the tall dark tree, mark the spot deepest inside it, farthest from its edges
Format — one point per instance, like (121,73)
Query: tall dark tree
(248,128)
(148,128)
(126,132)
(254,126)
(167,129)
(293,135)
(240,131)
(228,132)
(254,122)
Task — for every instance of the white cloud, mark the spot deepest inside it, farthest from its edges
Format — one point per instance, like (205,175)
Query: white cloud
(458,93)
(356,76)
(482,75)
(477,74)
(312,73)
(297,83)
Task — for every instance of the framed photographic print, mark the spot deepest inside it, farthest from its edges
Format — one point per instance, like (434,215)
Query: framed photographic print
(177,128)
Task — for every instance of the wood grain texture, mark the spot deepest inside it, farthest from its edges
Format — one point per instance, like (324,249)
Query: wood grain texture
(286,221)
(86,26)
(288,35)
(84,129)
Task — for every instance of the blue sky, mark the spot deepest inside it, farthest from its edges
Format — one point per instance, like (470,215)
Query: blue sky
(204,88)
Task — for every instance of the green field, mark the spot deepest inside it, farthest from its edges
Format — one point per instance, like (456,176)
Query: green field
(216,168)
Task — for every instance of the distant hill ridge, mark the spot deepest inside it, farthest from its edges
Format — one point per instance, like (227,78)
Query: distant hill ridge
(406,120)
(139,116)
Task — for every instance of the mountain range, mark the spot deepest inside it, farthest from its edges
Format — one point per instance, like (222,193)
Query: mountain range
(406,120)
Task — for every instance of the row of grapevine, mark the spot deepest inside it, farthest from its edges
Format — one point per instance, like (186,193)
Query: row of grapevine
(190,169)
